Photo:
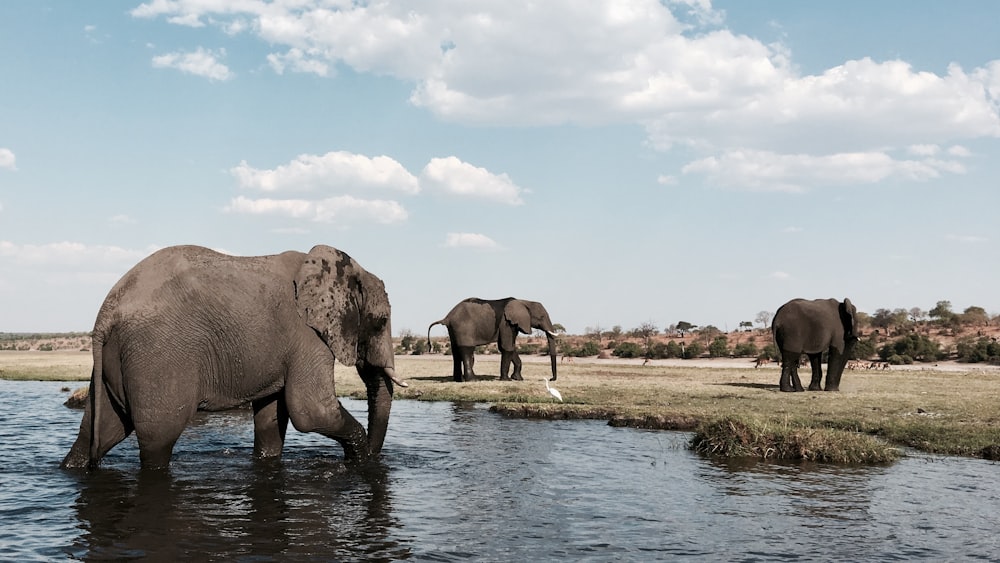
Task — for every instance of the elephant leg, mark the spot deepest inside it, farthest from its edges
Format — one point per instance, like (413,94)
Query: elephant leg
(458,369)
(313,407)
(270,421)
(505,359)
(517,367)
(815,361)
(468,362)
(789,373)
(835,369)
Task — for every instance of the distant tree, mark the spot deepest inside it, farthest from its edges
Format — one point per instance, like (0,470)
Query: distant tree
(746,350)
(684,327)
(674,350)
(615,333)
(764,318)
(906,349)
(942,312)
(978,350)
(882,319)
(746,325)
(645,331)
(406,342)
(975,316)
(594,332)
(558,328)
(917,314)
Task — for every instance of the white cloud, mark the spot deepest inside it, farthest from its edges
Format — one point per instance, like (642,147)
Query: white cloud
(340,210)
(333,171)
(780,276)
(967,239)
(70,253)
(792,230)
(673,67)
(7,159)
(470,240)
(451,175)
(122,219)
(202,62)
(666,180)
(769,171)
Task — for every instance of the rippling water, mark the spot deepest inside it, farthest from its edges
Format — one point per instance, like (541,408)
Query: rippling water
(458,482)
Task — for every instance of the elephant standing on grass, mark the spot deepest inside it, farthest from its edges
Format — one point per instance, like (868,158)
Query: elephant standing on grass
(474,322)
(188,329)
(813,327)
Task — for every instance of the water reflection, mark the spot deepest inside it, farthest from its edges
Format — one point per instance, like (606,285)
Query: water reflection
(261,510)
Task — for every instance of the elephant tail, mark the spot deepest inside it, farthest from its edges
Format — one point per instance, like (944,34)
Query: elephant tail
(441,322)
(96,387)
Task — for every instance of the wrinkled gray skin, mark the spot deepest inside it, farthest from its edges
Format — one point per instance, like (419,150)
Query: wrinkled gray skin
(474,322)
(188,329)
(813,327)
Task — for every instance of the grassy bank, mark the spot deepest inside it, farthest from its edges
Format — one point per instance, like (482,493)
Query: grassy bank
(950,412)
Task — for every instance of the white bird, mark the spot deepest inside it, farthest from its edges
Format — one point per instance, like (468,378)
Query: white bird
(553,391)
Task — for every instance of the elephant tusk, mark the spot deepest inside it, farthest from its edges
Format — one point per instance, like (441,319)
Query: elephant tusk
(392,375)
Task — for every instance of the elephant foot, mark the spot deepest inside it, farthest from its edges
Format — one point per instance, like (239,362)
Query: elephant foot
(816,388)
(504,378)
(517,377)
(832,389)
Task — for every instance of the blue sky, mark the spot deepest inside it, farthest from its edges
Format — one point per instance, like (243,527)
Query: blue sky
(622,162)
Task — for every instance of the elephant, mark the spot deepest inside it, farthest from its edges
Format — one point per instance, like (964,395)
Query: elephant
(474,322)
(190,329)
(812,327)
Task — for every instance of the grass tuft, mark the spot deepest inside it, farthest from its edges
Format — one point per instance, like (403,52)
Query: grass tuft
(737,436)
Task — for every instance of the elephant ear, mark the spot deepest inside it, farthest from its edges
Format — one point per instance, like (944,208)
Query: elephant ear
(848,314)
(517,314)
(327,295)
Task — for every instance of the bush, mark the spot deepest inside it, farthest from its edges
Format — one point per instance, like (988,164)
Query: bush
(914,346)
(659,350)
(719,348)
(746,350)
(864,349)
(628,350)
(693,350)
(973,350)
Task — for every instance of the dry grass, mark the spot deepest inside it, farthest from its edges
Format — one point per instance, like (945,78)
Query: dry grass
(953,412)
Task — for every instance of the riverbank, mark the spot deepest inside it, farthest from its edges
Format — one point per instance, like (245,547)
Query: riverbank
(951,409)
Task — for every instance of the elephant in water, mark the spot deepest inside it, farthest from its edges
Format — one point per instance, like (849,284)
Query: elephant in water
(813,327)
(189,328)
(474,322)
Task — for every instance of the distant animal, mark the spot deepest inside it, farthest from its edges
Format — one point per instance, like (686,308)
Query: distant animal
(761,361)
(813,327)
(553,391)
(474,322)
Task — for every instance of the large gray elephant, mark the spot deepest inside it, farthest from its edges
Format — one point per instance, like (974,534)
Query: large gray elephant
(813,327)
(474,322)
(188,328)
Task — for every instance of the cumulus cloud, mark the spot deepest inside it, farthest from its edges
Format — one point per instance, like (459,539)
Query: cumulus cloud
(7,159)
(333,171)
(769,171)
(202,62)
(470,240)
(340,210)
(674,67)
(69,253)
(452,176)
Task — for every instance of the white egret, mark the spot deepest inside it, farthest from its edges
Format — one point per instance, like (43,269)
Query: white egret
(553,391)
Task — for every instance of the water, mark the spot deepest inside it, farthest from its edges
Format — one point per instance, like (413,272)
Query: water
(458,482)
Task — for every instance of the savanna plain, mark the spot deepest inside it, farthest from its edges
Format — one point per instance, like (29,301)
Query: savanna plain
(733,408)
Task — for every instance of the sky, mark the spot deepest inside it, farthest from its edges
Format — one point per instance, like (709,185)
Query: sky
(621,161)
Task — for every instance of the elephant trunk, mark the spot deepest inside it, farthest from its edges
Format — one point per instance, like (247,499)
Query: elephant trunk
(378,383)
(552,352)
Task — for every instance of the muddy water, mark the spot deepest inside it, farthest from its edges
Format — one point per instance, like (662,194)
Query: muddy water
(458,482)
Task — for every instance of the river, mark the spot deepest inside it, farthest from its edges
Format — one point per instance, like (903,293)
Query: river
(457,482)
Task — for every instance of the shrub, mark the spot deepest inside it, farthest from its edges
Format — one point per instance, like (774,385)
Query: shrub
(719,348)
(693,350)
(973,350)
(628,350)
(915,346)
(746,350)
